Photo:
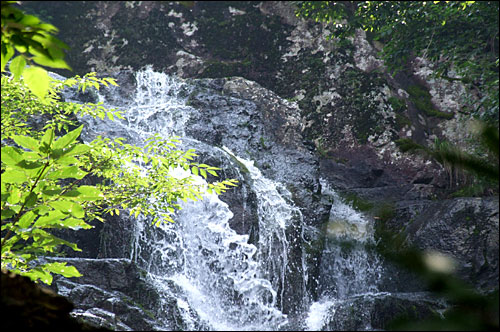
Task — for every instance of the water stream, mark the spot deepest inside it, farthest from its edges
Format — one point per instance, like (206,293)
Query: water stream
(220,280)
(349,269)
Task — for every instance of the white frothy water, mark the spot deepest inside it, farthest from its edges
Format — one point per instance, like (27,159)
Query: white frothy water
(318,313)
(275,214)
(221,281)
(349,269)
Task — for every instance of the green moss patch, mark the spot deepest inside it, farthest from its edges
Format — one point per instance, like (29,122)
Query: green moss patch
(357,202)
(398,105)
(421,98)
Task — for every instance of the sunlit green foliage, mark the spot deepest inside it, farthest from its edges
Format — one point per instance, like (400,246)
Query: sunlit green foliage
(35,45)
(47,169)
(43,175)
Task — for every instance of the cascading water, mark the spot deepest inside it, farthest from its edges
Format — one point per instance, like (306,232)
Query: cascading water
(225,283)
(347,263)
(275,214)
(348,268)
(213,276)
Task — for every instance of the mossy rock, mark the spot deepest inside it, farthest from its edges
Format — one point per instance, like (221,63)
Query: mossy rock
(421,98)
(398,105)
(358,203)
(245,45)
(357,88)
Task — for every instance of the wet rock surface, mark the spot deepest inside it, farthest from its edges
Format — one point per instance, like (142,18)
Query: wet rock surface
(258,125)
(114,293)
(110,294)
(349,106)
(376,312)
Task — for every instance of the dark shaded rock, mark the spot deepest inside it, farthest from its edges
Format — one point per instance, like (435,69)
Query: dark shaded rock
(88,240)
(350,108)
(114,293)
(116,238)
(26,305)
(466,229)
(376,312)
(111,292)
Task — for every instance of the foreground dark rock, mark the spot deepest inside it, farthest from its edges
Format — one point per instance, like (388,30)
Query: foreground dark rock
(26,305)
(113,293)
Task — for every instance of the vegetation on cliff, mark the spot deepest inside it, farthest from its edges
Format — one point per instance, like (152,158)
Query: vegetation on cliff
(459,37)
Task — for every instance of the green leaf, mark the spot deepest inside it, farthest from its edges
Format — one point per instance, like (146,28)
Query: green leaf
(49,241)
(76,210)
(67,139)
(30,200)
(26,142)
(38,273)
(15,194)
(6,54)
(110,80)
(17,66)
(66,160)
(52,217)
(53,63)
(26,220)
(52,192)
(90,193)
(47,140)
(7,213)
(65,206)
(14,176)
(77,150)
(76,223)
(212,172)
(37,80)
(61,205)
(62,269)
(30,166)
(10,155)
(67,172)
(33,156)
(42,210)
(29,20)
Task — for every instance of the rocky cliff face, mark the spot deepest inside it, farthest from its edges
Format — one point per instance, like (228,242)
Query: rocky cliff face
(273,89)
(351,109)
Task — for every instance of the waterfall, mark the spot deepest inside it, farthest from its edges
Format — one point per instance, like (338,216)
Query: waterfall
(221,281)
(275,213)
(349,269)
(213,277)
